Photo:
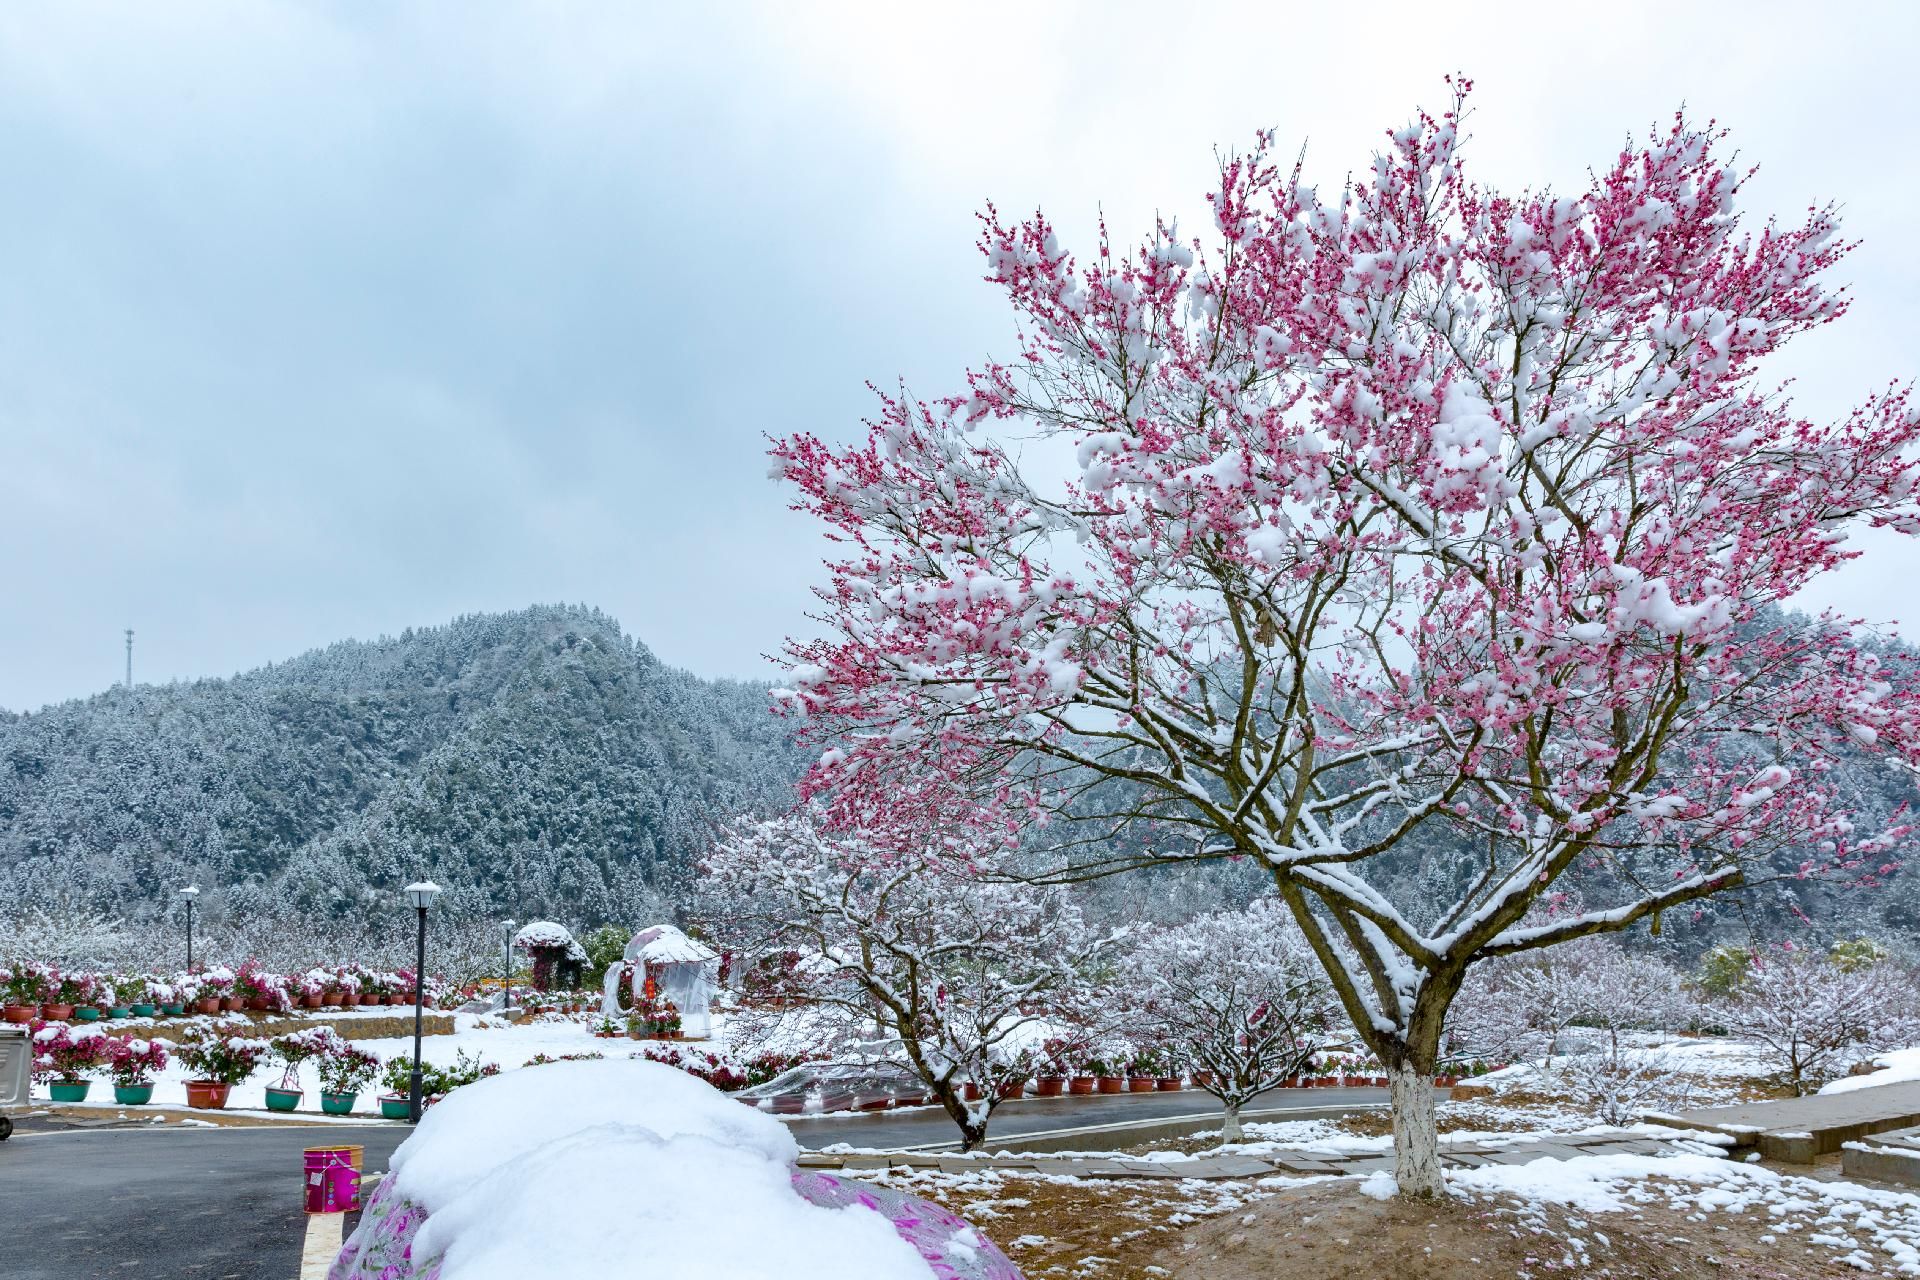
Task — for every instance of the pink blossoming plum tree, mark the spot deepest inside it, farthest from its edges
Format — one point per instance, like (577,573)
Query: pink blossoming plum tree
(1417,507)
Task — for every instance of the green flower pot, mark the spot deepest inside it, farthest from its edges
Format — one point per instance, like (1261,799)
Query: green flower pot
(338,1104)
(133,1095)
(142,1010)
(282,1099)
(70,1092)
(394,1107)
(173,1010)
(86,1013)
(119,1011)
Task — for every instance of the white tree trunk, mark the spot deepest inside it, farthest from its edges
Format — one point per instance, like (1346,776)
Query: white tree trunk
(1416,1134)
(1230,1130)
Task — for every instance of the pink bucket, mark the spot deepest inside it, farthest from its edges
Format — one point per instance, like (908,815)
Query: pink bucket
(332,1179)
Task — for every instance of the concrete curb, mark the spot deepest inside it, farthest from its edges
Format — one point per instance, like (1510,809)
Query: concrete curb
(1125,1133)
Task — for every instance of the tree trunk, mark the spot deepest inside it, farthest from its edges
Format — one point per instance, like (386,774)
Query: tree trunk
(1230,1130)
(972,1134)
(1416,1133)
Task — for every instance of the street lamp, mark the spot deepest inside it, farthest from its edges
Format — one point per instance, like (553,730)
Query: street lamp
(507,973)
(190,893)
(421,894)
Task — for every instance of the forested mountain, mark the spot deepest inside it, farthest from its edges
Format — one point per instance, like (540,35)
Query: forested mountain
(533,763)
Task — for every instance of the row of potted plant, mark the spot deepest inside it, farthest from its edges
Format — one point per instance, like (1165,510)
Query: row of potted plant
(30,990)
(64,1056)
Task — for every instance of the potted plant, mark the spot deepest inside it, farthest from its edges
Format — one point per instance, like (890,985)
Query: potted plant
(1106,1076)
(135,994)
(22,990)
(291,1050)
(1142,1071)
(255,988)
(344,1072)
(219,1062)
(65,1056)
(166,997)
(132,1062)
(60,992)
(122,993)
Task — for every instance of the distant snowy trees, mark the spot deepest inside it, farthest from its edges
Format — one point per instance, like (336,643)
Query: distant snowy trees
(903,958)
(1818,1014)
(1237,996)
(534,763)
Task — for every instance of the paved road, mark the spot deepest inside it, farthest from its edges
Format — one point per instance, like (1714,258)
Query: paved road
(224,1204)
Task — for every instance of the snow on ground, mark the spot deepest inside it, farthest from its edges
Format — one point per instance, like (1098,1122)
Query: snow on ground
(1867,1228)
(1898,1067)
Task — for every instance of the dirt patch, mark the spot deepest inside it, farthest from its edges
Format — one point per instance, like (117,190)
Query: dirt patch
(1329,1231)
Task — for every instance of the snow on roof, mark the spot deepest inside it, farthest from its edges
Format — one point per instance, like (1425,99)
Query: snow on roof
(664,944)
(543,933)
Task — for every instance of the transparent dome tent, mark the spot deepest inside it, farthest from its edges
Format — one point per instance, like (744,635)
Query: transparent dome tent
(682,970)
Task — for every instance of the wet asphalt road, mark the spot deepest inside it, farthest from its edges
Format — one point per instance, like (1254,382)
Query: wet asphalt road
(224,1204)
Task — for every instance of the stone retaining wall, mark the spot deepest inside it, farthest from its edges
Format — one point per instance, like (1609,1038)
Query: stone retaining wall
(266,1025)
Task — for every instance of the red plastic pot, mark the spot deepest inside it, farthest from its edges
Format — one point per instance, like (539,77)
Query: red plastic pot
(1080,1086)
(1109,1084)
(971,1092)
(20,1012)
(787,1104)
(208,1095)
(1167,1084)
(872,1102)
(56,1012)
(1139,1084)
(1049,1086)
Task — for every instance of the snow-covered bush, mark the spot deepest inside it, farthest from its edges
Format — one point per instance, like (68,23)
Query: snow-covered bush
(224,1059)
(1236,996)
(67,1055)
(133,1061)
(1816,1018)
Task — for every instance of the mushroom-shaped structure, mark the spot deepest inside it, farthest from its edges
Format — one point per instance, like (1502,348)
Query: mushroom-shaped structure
(547,944)
(680,969)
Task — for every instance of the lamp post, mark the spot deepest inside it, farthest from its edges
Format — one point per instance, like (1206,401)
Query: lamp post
(507,973)
(190,893)
(420,894)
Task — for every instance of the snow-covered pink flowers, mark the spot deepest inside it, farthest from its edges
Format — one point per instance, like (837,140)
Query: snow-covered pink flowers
(1408,510)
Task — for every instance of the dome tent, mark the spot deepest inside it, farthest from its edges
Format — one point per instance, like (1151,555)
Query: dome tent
(681,970)
(558,960)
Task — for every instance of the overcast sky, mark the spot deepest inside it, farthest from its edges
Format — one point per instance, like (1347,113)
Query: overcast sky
(323,321)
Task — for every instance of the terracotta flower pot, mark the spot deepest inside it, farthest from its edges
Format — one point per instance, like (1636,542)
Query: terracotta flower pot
(971,1092)
(210,1005)
(1167,1084)
(263,1003)
(20,1013)
(1049,1086)
(208,1095)
(1109,1084)
(331,1000)
(1139,1084)
(310,1002)
(1080,1086)
(56,1012)
(349,999)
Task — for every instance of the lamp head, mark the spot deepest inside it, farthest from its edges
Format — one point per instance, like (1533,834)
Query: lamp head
(191,892)
(421,893)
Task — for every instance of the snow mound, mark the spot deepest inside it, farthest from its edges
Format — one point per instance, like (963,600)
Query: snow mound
(480,1127)
(580,1166)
